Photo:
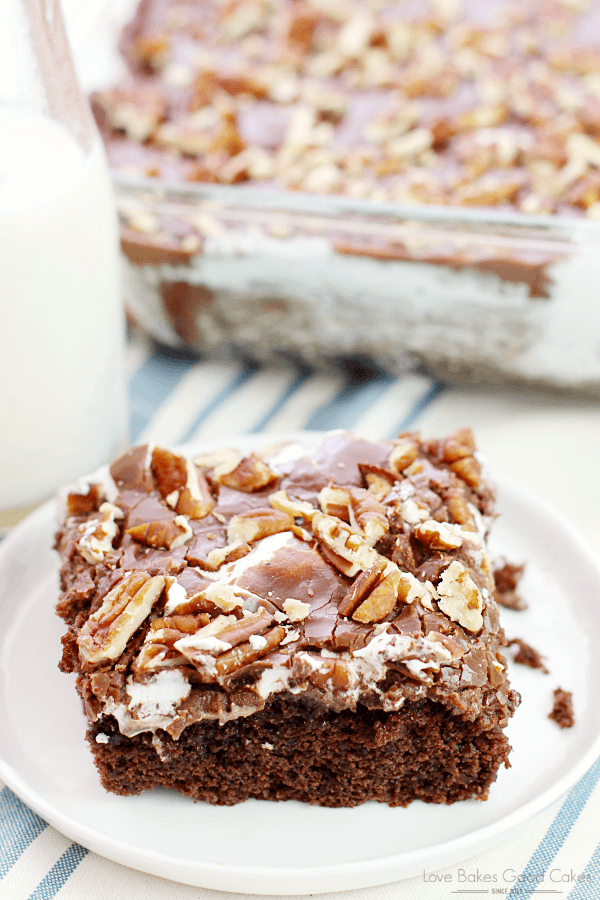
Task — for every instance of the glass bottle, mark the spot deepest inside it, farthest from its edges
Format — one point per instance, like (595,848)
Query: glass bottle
(62,386)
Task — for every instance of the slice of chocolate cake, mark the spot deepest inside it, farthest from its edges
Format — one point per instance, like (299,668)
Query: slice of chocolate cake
(284,625)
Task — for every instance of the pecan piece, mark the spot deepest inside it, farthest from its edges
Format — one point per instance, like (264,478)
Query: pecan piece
(82,504)
(345,549)
(242,630)
(195,500)
(379,481)
(332,675)
(169,470)
(437,536)
(158,650)
(104,636)
(250,475)
(163,535)
(151,50)
(361,586)
(380,602)
(256,524)
(368,514)
(460,599)
(335,501)
(296,610)
(453,450)
(468,469)
(402,456)
(222,555)
(244,654)
(460,512)
(300,510)
(99,534)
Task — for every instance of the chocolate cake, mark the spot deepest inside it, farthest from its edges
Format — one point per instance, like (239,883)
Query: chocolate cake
(289,625)
(491,105)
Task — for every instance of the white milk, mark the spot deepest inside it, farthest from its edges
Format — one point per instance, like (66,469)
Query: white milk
(62,398)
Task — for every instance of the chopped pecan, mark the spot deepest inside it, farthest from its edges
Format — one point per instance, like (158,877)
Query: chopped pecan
(402,456)
(158,650)
(361,586)
(348,551)
(195,500)
(162,535)
(452,450)
(379,481)
(222,555)
(251,474)
(223,596)
(335,501)
(368,514)
(244,654)
(99,534)
(216,658)
(79,504)
(241,630)
(437,536)
(460,599)
(300,510)
(296,610)
(460,512)
(469,469)
(151,50)
(220,462)
(332,675)
(256,524)
(380,602)
(104,636)
(169,470)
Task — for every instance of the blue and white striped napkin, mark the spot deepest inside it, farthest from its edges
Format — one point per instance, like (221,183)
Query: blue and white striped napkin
(175,399)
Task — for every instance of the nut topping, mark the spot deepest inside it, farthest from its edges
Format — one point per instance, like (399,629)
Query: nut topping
(250,475)
(169,470)
(158,650)
(437,536)
(335,501)
(257,524)
(469,469)
(195,500)
(222,555)
(460,598)
(349,552)
(99,534)
(402,456)
(163,535)
(104,636)
(361,586)
(380,602)
(367,513)
(296,610)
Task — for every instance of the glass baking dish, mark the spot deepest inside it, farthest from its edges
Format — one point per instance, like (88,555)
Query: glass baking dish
(473,295)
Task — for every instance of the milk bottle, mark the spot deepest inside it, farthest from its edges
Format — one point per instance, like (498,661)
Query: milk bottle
(62,397)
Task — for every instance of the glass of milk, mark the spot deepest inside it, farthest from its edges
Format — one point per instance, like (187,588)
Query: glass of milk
(62,388)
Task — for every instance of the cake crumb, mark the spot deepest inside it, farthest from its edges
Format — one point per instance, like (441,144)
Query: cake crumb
(562,711)
(506,579)
(527,655)
(267,746)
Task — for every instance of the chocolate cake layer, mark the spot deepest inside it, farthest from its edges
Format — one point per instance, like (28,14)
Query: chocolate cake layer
(347,593)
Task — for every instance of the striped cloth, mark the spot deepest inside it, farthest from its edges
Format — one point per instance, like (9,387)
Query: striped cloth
(175,398)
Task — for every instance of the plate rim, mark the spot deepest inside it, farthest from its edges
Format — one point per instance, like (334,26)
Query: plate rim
(309,879)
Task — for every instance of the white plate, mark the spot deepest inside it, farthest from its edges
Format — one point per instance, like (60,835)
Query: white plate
(291,848)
